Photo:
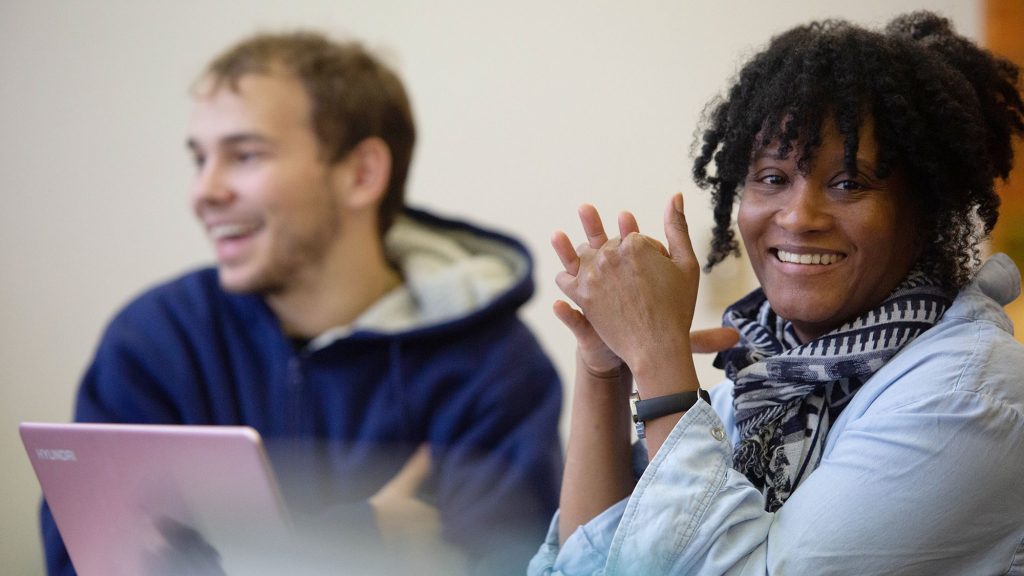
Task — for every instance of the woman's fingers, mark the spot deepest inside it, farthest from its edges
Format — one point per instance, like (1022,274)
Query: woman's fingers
(566,252)
(567,284)
(711,340)
(572,318)
(592,226)
(627,224)
(597,238)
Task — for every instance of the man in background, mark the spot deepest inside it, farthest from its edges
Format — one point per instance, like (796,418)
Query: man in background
(347,329)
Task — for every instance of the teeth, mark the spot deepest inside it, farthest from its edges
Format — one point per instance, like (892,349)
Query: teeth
(824,259)
(222,231)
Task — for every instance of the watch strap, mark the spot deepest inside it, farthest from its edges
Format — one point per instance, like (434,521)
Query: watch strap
(651,408)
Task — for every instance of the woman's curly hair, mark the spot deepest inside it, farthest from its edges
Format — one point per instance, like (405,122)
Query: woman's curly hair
(945,113)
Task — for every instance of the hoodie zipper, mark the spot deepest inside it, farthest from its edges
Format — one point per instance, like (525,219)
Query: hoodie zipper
(296,384)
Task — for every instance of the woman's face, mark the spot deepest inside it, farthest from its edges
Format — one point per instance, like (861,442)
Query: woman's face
(826,245)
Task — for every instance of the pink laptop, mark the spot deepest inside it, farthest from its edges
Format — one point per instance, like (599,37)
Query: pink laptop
(153,500)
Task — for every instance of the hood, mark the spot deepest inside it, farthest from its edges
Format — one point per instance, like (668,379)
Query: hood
(452,272)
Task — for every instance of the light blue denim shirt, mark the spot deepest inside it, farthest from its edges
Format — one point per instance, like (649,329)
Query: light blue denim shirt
(923,473)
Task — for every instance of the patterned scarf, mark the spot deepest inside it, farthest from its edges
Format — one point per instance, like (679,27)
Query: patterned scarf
(787,394)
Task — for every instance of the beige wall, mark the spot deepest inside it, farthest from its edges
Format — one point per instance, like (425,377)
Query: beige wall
(526,108)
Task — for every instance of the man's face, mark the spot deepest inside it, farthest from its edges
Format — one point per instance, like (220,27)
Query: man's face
(262,191)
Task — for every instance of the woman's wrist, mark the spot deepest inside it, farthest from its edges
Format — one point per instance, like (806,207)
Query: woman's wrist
(615,383)
(672,373)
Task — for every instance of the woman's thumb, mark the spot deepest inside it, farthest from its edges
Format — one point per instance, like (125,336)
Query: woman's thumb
(677,232)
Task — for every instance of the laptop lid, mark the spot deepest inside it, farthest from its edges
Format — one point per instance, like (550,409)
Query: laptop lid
(160,499)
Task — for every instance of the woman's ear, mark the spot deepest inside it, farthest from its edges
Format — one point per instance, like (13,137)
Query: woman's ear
(363,175)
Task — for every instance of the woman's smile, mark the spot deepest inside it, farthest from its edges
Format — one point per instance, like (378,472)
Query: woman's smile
(813,258)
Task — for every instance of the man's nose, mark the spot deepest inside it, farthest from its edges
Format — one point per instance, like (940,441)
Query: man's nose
(211,185)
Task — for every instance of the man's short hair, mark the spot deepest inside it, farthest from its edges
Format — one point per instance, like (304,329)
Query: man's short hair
(353,96)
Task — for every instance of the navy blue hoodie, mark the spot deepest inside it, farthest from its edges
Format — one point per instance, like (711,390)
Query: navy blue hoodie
(444,359)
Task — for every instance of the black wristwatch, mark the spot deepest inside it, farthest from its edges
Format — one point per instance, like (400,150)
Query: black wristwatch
(651,408)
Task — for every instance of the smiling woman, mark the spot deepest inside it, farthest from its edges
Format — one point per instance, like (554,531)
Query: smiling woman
(872,419)
(826,243)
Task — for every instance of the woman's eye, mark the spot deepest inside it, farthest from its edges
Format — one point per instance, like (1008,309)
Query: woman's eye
(772,179)
(848,185)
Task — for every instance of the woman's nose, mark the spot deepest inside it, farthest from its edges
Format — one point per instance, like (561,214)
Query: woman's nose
(805,208)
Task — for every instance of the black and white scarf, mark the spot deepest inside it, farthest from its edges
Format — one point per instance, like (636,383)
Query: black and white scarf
(787,394)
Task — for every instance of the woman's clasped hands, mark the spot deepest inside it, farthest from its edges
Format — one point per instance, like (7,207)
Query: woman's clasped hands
(636,301)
